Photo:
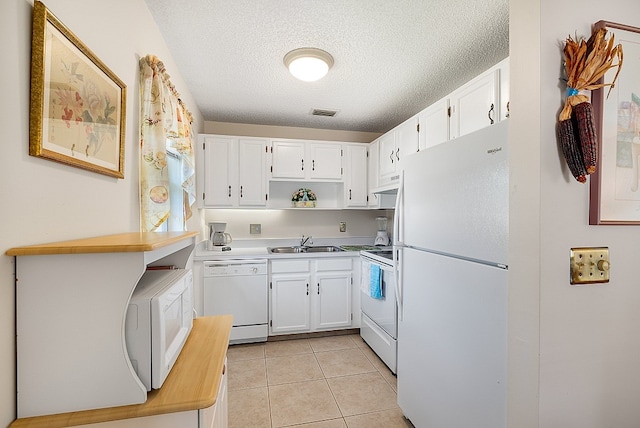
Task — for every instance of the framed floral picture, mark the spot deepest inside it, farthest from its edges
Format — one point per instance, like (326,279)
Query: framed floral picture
(77,103)
(615,187)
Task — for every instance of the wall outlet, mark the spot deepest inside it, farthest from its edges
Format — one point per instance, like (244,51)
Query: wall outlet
(255,229)
(343,226)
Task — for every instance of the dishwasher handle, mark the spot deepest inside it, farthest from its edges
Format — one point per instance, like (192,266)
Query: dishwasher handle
(227,263)
(235,267)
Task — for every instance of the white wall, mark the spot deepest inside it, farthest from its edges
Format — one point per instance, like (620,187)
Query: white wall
(251,130)
(294,223)
(45,201)
(586,370)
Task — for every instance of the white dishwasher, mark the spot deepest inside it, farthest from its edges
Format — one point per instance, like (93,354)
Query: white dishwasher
(238,288)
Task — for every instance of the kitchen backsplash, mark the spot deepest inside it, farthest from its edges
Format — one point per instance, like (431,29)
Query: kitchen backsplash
(294,223)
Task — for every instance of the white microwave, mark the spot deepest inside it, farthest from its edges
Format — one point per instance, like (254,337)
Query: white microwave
(158,321)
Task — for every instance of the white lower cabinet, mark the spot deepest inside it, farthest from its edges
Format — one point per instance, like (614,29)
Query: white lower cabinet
(289,288)
(311,294)
(216,416)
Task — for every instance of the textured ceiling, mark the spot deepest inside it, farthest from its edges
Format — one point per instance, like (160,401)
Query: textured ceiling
(392,57)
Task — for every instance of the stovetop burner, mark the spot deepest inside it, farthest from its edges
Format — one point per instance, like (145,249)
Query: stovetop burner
(383,254)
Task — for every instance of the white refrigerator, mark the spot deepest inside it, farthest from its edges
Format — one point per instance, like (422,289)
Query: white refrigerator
(451,240)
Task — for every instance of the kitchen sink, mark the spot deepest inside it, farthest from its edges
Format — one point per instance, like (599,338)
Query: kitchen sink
(299,249)
(322,249)
(286,250)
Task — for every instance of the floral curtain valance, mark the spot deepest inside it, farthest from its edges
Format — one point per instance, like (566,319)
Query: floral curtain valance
(165,122)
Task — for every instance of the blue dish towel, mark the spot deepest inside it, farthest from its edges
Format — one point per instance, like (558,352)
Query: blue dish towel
(375,282)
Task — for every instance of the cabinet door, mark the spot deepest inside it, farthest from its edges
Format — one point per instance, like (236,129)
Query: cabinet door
(355,188)
(290,303)
(288,159)
(219,171)
(216,416)
(252,172)
(372,174)
(434,124)
(333,300)
(406,139)
(387,158)
(475,105)
(325,161)
(503,67)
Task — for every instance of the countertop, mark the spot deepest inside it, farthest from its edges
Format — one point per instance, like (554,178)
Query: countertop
(258,249)
(119,243)
(192,384)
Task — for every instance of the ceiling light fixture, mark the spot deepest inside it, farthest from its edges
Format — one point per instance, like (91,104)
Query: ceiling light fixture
(308,64)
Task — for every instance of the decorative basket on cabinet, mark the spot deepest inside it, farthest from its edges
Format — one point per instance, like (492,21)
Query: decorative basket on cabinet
(303,198)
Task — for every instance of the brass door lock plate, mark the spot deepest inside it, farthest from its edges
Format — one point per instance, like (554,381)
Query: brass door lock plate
(589,265)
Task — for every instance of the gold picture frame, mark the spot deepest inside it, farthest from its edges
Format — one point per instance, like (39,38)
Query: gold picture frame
(77,104)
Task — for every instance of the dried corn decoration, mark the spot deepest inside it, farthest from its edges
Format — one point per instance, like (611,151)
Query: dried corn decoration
(586,62)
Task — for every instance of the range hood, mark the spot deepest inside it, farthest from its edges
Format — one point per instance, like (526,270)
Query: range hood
(386,195)
(389,189)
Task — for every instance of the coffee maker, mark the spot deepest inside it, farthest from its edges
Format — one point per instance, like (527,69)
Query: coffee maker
(382,237)
(218,238)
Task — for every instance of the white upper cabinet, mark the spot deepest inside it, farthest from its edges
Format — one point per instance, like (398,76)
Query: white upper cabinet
(475,105)
(373,201)
(325,161)
(252,172)
(355,188)
(504,88)
(235,171)
(218,181)
(388,158)
(434,124)
(306,160)
(288,159)
(394,146)
(407,139)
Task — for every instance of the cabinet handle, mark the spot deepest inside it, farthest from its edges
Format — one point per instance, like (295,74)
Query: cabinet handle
(318,289)
(229,191)
(307,289)
(508,111)
(397,151)
(240,191)
(303,164)
(313,165)
(489,114)
(391,156)
(349,194)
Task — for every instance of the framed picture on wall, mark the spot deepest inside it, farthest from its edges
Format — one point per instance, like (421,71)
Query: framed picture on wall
(615,187)
(77,104)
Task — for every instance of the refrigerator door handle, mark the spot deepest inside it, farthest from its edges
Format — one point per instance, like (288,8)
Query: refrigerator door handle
(397,243)
(397,272)
(398,228)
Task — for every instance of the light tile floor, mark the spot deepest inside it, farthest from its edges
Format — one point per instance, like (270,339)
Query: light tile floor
(326,382)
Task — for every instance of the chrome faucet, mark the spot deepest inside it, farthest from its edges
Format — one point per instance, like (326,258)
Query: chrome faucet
(304,240)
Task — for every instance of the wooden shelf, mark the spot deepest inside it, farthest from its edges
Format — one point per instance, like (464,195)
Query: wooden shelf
(191,385)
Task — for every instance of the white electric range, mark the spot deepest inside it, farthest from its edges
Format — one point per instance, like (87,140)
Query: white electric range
(379,312)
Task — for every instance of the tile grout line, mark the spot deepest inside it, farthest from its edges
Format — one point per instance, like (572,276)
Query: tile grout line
(377,366)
